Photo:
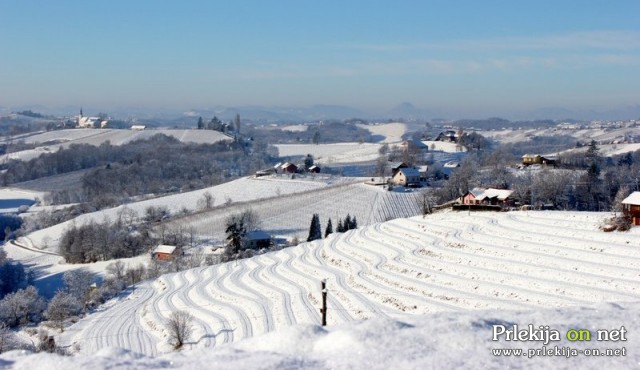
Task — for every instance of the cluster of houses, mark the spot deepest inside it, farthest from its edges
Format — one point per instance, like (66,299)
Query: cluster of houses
(288,167)
(255,240)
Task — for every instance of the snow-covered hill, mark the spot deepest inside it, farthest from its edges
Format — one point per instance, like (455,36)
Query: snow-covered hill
(449,340)
(450,261)
(51,141)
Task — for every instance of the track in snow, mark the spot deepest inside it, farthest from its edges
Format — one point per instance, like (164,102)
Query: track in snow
(445,262)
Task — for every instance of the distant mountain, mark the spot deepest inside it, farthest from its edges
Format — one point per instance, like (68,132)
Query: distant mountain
(558,113)
(279,114)
(408,111)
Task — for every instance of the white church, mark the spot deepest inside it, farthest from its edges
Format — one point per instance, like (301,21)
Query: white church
(91,122)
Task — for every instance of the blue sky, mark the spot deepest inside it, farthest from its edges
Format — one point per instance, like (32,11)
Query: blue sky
(469,57)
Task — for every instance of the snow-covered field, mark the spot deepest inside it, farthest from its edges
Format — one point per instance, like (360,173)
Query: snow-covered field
(446,262)
(392,132)
(242,190)
(53,140)
(448,340)
(290,215)
(332,153)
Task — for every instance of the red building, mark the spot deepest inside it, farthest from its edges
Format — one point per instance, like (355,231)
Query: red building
(631,207)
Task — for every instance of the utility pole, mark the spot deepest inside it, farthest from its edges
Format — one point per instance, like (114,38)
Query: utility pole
(323,310)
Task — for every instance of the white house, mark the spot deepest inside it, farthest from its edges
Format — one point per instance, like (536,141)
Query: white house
(406,177)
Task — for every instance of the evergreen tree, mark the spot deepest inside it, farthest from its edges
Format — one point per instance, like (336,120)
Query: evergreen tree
(308,161)
(200,123)
(347,223)
(354,223)
(315,230)
(340,227)
(235,234)
(329,229)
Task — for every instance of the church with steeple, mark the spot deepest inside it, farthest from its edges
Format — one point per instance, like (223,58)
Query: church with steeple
(91,122)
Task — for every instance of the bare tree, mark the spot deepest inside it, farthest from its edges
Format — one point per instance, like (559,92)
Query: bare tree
(180,326)
(206,201)
(117,269)
(62,306)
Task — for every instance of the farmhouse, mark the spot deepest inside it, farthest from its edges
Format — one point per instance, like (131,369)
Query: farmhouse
(530,159)
(448,136)
(257,239)
(289,167)
(488,196)
(314,169)
(396,166)
(164,252)
(406,177)
(631,207)
(413,145)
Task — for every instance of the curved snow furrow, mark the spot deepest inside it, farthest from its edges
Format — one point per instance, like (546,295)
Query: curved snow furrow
(120,329)
(308,283)
(352,293)
(510,260)
(217,311)
(433,279)
(492,282)
(236,305)
(289,302)
(524,251)
(568,244)
(203,316)
(558,258)
(415,292)
(270,295)
(616,244)
(366,280)
(343,307)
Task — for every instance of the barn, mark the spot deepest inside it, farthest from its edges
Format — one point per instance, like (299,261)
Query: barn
(164,252)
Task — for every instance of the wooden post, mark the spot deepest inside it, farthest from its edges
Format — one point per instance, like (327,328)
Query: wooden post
(323,310)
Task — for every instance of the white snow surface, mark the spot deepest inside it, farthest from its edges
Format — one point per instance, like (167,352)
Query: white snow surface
(437,341)
(64,138)
(245,189)
(332,153)
(449,262)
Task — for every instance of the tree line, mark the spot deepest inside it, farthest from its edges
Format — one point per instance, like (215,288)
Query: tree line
(159,165)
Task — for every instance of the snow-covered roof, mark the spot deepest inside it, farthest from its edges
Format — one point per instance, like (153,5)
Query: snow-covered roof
(409,172)
(168,249)
(634,199)
(287,164)
(452,164)
(397,164)
(482,193)
(423,168)
(257,235)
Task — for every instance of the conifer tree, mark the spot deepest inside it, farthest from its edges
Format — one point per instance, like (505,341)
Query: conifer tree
(315,230)
(340,227)
(347,223)
(329,229)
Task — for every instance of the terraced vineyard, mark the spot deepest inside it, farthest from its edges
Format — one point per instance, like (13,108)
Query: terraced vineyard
(445,262)
(291,214)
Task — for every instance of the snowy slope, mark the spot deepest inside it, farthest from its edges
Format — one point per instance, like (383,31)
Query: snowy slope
(445,262)
(437,341)
(51,141)
(290,215)
(245,189)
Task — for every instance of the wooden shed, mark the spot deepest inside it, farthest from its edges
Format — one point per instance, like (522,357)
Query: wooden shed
(164,252)
(631,207)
